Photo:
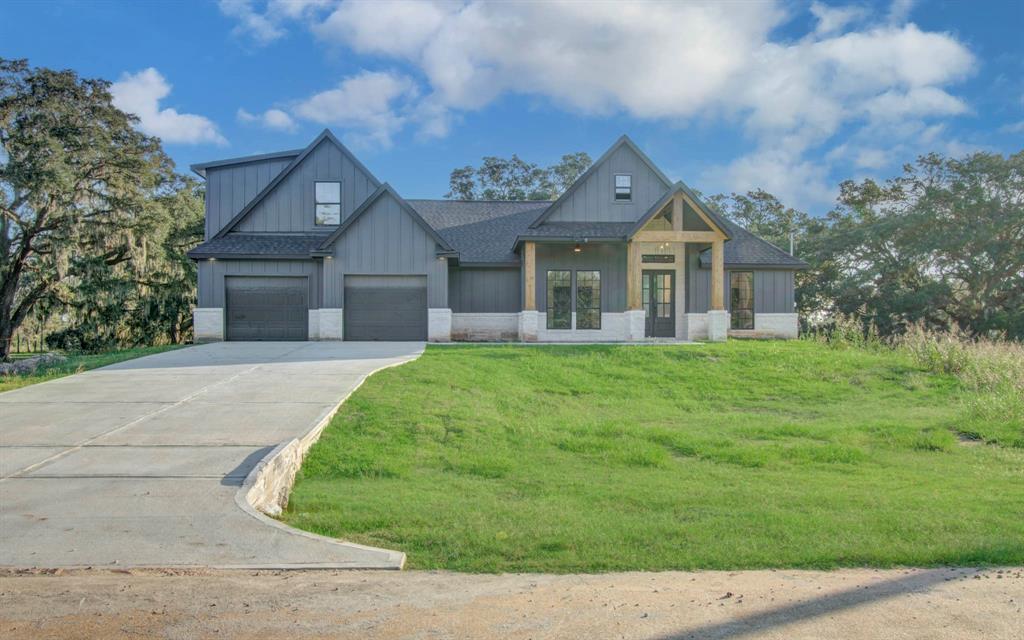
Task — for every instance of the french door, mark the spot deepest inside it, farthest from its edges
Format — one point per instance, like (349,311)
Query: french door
(659,300)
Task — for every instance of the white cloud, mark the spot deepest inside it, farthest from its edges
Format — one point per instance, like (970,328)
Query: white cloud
(141,93)
(900,10)
(1013,127)
(673,62)
(373,104)
(793,179)
(271,118)
(834,19)
(261,28)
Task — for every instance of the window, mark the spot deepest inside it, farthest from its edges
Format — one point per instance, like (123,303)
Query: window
(623,187)
(588,299)
(741,299)
(559,300)
(328,202)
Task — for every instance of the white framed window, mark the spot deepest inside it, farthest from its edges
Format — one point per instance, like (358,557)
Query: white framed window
(328,202)
(623,187)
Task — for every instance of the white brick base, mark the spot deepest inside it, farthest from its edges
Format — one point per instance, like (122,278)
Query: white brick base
(313,332)
(529,321)
(695,326)
(207,324)
(487,327)
(776,325)
(330,323)
(614,328)
(718,325)
(636,324)
(439,325)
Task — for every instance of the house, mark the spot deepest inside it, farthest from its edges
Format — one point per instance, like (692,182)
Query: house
(309,244)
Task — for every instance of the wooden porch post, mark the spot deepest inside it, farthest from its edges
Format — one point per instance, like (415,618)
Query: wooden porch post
(717,275)
(530,275)
(634,297)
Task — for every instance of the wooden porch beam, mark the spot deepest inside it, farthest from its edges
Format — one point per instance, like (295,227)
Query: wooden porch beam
(677,236)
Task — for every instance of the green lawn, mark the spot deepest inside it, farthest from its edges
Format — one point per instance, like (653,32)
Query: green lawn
(76,364)
(725,456)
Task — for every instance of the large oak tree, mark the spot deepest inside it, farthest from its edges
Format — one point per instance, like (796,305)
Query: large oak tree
(75,182)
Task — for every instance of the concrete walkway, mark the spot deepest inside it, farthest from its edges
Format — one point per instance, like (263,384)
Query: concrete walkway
(138,464)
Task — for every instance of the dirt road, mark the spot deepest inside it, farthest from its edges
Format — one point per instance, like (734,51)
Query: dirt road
(919,603)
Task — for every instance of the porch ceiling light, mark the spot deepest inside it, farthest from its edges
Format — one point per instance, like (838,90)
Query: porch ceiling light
(577,248)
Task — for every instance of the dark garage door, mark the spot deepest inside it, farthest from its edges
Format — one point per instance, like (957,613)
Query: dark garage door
(266,308)
(385,308)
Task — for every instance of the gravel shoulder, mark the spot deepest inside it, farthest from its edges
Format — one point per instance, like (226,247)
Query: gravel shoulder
(846,604)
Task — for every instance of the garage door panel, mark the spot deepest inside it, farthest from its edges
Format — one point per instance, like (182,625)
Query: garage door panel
(385,308)
(266,308)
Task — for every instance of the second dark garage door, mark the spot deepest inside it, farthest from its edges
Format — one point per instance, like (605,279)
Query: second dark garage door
(385,308)
(266,308)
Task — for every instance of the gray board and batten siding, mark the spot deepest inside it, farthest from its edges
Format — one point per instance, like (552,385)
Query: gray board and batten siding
(385,240)
(606,257)
(773,288)
(231,187)
(485,290)
(592,198)
(290,207)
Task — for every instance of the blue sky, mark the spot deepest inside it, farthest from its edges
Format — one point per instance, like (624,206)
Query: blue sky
(789,96)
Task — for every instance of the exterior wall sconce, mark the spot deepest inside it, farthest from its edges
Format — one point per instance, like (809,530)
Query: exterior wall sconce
(577,248)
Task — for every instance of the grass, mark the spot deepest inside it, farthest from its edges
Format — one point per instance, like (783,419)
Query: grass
(724,456)
(76,363)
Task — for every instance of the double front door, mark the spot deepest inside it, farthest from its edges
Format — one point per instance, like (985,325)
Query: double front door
(659,300)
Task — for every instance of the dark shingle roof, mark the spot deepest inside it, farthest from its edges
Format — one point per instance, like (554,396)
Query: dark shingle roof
(580,230)
(480,230)
(484,231)
(747,249)
(237,245)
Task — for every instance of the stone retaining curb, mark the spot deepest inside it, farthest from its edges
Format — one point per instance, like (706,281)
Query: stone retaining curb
(265,490)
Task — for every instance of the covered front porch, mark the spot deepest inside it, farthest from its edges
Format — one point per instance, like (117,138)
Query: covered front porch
(634,285)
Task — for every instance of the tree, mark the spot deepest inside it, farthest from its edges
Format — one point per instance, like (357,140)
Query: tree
(75,181)
(762,214)
(515,179)
(943,244)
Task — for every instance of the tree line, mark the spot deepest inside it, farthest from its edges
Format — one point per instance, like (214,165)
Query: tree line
(95,224)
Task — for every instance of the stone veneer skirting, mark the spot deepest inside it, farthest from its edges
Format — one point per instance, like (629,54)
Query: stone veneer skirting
(485,327)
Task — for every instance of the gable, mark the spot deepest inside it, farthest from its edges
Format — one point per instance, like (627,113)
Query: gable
(591,198)
(386,236)
(290,206)
(231,187)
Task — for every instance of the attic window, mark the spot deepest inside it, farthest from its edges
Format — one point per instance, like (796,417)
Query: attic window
(623,187)
(328,202)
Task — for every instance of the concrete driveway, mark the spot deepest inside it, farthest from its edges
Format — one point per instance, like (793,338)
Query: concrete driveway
(138,464)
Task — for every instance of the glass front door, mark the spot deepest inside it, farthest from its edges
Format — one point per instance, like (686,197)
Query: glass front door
(659,303)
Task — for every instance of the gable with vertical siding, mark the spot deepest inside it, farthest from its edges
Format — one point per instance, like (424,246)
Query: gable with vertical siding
(592,198)
(290,207)
(231,187)
(385,239)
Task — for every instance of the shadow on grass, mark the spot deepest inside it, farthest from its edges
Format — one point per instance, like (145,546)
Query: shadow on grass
(758,623)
